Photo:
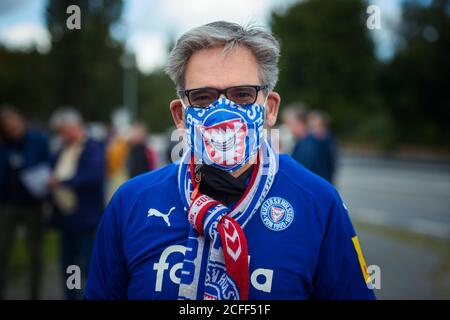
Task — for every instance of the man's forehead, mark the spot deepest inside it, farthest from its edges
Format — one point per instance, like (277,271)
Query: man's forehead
(216,68)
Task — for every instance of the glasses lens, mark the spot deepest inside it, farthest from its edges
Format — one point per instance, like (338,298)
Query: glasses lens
(242,95)
(202,97)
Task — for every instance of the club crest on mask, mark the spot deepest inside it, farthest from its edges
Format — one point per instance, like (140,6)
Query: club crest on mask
(225,135)
(225,142)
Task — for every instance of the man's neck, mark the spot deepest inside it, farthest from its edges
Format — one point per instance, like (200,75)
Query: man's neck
(223,186)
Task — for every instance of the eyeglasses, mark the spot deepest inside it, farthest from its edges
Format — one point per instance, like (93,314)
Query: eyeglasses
(241,95)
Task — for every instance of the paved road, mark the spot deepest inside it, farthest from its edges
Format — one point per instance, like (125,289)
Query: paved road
(401,210)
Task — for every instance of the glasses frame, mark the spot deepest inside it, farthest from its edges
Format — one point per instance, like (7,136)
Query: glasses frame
(258,88)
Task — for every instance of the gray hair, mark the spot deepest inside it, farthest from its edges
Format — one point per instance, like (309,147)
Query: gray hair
(298,110)
(65,116)
(260,42)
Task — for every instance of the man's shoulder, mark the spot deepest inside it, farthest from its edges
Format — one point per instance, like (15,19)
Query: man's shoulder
(151,189)
(163,179)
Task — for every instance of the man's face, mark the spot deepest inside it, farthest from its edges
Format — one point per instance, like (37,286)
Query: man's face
(296,126)
(317,126)
(13,126)
(69,132)
(216,69)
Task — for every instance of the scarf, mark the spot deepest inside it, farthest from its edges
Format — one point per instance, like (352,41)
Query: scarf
(215,265)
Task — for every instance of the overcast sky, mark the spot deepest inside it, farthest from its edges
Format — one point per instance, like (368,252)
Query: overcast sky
(147,26)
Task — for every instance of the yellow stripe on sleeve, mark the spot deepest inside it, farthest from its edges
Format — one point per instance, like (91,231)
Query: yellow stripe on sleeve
(361,260)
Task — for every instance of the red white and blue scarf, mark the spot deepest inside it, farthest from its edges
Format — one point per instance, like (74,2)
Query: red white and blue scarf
(215,265)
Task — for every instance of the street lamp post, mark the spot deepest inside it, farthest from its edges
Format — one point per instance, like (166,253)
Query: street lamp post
(130,82)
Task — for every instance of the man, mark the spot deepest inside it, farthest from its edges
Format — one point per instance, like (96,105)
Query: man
(314,148)
(77,190)
(228,221)
(323,161)
(21,152)
(295,118)
(141,158)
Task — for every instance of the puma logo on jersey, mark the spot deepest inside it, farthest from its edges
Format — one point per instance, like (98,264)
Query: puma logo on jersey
(159,214)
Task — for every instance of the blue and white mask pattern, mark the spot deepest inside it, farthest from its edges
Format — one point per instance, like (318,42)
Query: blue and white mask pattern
(225,135)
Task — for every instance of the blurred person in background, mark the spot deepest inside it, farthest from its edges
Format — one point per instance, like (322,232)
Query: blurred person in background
(304,151)
(322,160)
(314,147)
(294,118)
(141,158)
(77,190)
(21,152)
(117,151)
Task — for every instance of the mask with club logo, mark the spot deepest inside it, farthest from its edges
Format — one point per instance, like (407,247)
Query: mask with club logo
(225,135)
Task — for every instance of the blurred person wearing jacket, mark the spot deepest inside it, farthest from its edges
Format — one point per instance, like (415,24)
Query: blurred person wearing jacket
(117,150)
(305,149)
(294,118)
(321,153)
(21,150)
(141,158)
(77,190)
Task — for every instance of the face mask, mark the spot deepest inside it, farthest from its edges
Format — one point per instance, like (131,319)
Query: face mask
(225,135)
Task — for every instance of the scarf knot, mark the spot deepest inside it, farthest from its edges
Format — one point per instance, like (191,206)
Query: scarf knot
(209,218)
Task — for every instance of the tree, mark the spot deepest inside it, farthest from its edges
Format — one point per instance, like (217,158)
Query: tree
(85,67)
(156,91)
(24,80)
(415,82)
(327,60)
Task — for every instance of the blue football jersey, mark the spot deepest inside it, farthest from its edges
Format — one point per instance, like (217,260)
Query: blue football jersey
(301,242)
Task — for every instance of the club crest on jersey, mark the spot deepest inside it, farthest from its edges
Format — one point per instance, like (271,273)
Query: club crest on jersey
(277,214)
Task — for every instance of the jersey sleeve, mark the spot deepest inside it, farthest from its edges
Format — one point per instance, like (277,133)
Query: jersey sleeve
(107,278)
(341,271)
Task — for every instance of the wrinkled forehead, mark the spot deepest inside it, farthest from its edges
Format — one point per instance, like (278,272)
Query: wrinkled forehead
(218,69)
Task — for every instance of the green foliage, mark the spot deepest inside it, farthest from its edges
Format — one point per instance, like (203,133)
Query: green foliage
(85,65)
(24,80)
(155,93)
(328,60)
(416,82)
(19,255)
(83,69)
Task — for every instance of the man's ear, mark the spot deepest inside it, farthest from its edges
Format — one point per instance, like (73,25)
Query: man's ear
(272,106)
(177,110)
